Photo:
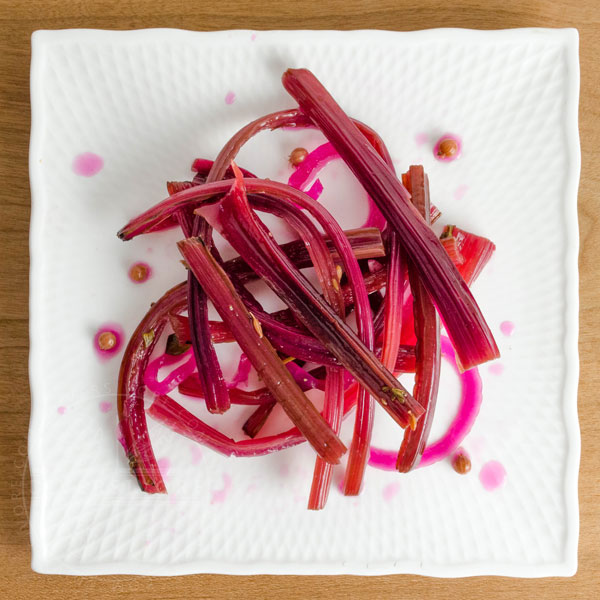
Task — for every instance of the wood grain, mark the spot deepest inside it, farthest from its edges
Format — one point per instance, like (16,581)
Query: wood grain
(17,21)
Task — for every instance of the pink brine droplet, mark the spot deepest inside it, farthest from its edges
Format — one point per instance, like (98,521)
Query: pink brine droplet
(229,98)
(421,138)
(105,406)
(507,328)
(460,191)
(164,465)
(252,37)
(196,455)
(492,475)
(497,369)
(109,332)
(61,410)
(448,148)
(219,496)
(87,164)
(139,272)
(391,490)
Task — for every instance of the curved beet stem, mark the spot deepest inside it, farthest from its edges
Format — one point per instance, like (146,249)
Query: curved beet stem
(171,414)
(130,395)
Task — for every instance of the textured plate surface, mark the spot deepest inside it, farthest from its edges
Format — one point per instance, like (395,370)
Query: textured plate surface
(147,103)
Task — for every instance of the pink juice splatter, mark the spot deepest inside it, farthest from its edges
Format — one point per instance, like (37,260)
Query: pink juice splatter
(196,454)
(112,333)
(468,410)
(460,191)
(492,475)
(507,328)
(391,490)
(496,368)
(87,164)
(61,410)
(421,138)
(253,37)
(105,406)
(164,465)
(448,148)
(219,496)
(230,98)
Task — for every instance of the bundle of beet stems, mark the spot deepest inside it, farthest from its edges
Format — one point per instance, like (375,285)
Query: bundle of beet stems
(355,367)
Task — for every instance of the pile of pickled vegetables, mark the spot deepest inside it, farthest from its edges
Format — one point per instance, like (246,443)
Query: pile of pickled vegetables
(394,277)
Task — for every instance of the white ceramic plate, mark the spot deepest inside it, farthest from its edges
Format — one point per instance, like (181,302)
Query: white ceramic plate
(147,103)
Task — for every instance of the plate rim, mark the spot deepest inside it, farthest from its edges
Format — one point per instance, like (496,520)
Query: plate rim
(40,40)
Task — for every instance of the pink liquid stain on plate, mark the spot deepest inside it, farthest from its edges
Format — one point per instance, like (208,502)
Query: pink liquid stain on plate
(164,466)
(105,406)
(196,454)
(139,272)
(173,499)
(439,148)
(110,329)
(253,37)
(391,490)
(61,410)
(87,164)
(219,496)
(230,98)
(492,475)
(496,369)
(421,138)
(460,191)
(507,328)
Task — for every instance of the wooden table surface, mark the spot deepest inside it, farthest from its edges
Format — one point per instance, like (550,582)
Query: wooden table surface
(18,20)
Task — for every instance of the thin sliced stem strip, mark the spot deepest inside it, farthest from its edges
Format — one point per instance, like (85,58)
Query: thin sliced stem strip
(428,349)
(131,388)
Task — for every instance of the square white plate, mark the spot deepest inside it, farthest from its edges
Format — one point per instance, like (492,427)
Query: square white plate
(148,102)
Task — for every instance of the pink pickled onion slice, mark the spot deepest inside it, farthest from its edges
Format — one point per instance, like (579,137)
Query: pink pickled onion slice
(311,165)
(174,378)
(468,410)
(315,190)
